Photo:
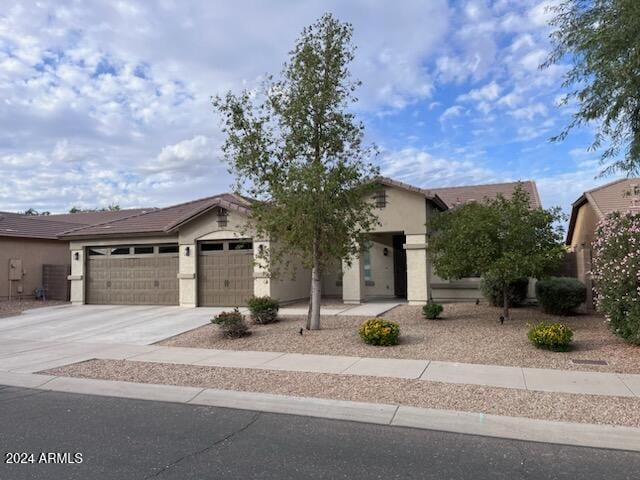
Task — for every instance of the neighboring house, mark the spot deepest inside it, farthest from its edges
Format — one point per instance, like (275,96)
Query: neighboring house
(591,207)
(201,253)
(27,243)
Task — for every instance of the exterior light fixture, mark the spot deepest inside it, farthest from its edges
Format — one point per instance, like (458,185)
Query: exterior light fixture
(187,251)
(76,256)
(385,251)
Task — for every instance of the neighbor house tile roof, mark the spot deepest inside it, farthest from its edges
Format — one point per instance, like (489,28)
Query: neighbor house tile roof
(91,218)
(458,195)
(27,226)
(605,199)
(50,226)
(161,220)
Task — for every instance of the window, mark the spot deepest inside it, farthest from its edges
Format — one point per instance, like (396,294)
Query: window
(168,248)
(97,251)
(366,260)
(380,198)
(145,250)
(121,251)
(209,247)
(240,246)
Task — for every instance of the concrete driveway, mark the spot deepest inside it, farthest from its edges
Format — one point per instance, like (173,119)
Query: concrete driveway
(100,324)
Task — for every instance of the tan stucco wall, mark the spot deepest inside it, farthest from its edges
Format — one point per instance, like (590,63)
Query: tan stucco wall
(292,284)
(405,211)
(381,267)
(34,253)
(585,226)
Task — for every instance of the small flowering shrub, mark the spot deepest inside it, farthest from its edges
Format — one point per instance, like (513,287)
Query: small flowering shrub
(616,273)
(552,336)
(431,311)
(379,331)
(232,324)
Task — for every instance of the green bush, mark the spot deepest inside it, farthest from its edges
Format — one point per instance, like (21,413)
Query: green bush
(493,292)
(431,311)
(560,295)
(552,336)
(232,324)
(379,331)
(263,309)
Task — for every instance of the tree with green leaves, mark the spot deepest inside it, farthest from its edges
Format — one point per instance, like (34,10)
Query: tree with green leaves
(32,212)
(502,239)
(601,38)
(297,148)
(109,208)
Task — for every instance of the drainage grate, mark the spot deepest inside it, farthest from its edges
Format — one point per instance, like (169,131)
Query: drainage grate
(588,362)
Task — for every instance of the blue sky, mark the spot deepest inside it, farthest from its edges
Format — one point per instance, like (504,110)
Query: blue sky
(104,103)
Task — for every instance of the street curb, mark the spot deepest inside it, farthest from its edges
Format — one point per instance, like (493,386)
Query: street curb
(515,428)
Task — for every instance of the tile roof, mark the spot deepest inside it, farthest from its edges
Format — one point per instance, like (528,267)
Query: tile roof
(429,194)
(606,199)
(458,195)
(50,226)
(91,218)
(161,220)
(28,226)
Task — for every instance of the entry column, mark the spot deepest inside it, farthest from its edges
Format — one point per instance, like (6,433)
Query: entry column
(353,281)
(417,269)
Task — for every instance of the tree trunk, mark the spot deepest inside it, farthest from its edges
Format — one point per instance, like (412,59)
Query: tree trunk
(505,302)
(316,295)
(308,325)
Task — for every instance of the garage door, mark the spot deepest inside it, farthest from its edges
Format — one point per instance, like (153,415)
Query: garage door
(225,273)
(133,275)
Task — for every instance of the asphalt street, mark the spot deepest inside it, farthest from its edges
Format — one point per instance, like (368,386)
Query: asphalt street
(134,439)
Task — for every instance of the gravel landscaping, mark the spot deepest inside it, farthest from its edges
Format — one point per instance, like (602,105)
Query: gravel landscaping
(420,393)
(466,333)
(16,307)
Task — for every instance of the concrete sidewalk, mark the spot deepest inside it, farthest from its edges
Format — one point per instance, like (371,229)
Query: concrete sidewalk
(367,309)
(580,434)
(30,356)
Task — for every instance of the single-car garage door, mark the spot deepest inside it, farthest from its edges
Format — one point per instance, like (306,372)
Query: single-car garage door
(225,273)
(133,275)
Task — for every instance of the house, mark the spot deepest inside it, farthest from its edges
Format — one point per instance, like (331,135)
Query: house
(591,207)
(201,253)
(28,243)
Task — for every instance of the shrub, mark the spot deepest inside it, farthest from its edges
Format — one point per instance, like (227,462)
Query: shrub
(493,291)
(616,273)
(263,309)
(431,310)
(552,336)
(232,324)
(379,331)
(560,295)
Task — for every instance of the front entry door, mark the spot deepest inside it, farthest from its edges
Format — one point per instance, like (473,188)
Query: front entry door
(399,266)
(225,273)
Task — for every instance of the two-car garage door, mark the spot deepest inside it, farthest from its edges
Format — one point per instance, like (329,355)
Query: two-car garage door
(148,274)
(133,275)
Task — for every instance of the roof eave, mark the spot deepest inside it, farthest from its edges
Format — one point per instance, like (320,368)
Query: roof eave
(575,207)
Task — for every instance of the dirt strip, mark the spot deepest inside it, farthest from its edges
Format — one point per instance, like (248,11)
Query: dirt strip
(472,398)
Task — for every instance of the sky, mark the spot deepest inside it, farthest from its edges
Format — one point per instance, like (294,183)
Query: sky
(107,103)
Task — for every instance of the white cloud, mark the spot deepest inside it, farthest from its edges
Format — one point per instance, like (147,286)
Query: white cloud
(488,92)
(451,113)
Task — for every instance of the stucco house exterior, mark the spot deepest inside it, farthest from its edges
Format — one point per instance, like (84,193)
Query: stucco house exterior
(201,253)
(27,243)
(592,206)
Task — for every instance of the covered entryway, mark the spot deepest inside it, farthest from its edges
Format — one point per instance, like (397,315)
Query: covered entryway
(225,273)
(132,275)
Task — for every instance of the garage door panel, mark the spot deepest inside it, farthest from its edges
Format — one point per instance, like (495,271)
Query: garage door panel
(225,277)
(133,280)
